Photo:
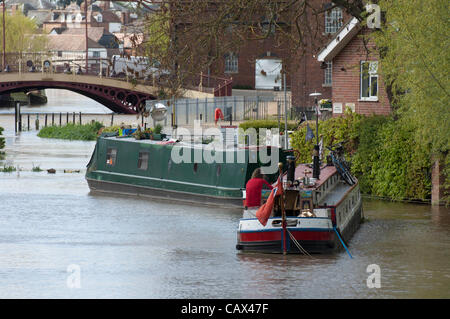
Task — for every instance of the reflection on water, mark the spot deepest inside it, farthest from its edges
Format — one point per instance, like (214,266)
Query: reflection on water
(63,101)
(135,248)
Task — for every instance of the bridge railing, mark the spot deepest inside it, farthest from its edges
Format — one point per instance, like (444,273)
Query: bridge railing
(48,63)
(103,67)
(234,108)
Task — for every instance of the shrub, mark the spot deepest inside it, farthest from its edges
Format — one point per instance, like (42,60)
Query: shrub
(385,157)
(86,132)
(268,124)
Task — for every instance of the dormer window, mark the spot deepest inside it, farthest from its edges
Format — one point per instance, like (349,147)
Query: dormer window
(99,18)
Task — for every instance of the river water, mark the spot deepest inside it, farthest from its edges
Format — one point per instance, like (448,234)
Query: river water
(59,241)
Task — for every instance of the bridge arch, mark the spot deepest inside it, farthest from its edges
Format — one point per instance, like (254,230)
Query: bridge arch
(119,96)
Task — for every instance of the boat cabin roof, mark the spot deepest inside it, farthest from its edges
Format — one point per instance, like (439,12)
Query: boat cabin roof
(173,142)
(303,170)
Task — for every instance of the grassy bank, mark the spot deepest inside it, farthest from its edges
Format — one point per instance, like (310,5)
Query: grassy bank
(85,132)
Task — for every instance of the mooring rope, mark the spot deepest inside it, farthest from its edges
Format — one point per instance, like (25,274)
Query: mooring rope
(302,250)
(342,242)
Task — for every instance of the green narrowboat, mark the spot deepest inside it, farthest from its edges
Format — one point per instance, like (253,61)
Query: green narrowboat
(148,168)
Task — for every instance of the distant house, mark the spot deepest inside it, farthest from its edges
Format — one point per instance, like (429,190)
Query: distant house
(26,5)
(106,19)
(66,18)
(39,16)
(73,46)
(98,35)
(355,75)
(74,17)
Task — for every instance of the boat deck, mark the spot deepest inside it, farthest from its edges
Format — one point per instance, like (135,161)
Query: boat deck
(325,172)
(333,197)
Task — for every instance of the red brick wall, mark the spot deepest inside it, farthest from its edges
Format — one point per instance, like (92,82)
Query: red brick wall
(248,53)
(304,75)
(346,78)
(308,78)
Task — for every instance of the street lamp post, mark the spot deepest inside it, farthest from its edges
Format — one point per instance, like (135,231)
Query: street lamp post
(86,34)
(316,163)
(4,35)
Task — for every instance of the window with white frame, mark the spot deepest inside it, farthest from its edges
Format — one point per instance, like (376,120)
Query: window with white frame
(231,63)
(333,20)
(96,54)
(369,80)
(328,73)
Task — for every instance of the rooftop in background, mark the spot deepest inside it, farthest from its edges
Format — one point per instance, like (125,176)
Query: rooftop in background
(98,34)
(31,4)
(105,5)
(94,33)
(39,16)
(70,42)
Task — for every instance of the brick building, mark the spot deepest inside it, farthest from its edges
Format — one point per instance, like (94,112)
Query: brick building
(258,64)
(355,79)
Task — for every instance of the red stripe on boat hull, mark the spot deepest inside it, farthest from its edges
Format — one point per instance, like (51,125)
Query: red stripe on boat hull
(276,235)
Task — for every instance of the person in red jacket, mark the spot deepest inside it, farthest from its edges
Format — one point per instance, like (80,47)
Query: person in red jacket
(253,189)
(218,115)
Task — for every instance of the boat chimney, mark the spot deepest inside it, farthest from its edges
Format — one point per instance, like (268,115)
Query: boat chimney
(316,161)
(290,169)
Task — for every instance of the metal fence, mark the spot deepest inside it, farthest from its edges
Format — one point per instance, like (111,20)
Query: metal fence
(234,108)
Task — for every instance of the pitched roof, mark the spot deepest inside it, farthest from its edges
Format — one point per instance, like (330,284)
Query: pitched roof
(70,42)
(32,4)
(339,40)
(97,34)
(94,33)
(108,16)
(39,16)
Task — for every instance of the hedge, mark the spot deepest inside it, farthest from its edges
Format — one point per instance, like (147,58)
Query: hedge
(268,124)
(385,157)
(86,132)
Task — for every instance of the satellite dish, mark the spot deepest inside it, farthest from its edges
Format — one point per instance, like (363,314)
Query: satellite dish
(158,112)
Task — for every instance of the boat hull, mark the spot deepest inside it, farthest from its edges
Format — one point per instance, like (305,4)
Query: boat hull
(313,234)
(150,168)
(110,187)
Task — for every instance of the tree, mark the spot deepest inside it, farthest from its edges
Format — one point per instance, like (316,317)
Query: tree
(197,34)
(414,42)
(22,34)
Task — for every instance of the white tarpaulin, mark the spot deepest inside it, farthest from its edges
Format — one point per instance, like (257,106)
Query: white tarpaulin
(268,73)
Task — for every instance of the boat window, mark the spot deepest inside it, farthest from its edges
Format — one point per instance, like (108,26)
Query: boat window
(111,155)
(143,160)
